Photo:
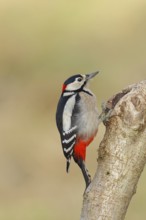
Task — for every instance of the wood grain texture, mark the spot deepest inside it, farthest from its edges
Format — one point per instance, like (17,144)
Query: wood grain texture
(121,157)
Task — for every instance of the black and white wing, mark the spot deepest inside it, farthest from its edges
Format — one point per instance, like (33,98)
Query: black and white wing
(66,125)
(68,142)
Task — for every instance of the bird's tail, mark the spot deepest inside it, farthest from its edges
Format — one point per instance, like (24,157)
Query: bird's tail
(68,164)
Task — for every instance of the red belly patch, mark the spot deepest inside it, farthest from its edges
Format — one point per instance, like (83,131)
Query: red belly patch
(80,148)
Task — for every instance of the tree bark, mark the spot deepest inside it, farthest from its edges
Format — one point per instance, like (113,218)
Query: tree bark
(121,157)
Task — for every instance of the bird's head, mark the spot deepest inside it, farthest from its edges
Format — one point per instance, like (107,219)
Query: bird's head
(77,82)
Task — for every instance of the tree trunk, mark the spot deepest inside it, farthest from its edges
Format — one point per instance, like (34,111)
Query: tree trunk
(121,158)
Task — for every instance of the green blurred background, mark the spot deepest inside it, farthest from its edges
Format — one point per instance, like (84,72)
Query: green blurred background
(41,44)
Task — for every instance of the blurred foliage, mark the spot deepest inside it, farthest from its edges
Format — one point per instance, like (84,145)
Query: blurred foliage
(41,44)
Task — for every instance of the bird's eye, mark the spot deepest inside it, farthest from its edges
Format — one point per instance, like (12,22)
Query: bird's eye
(79,79)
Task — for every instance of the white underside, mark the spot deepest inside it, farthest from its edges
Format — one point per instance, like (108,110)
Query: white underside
(87,118)
(87,122)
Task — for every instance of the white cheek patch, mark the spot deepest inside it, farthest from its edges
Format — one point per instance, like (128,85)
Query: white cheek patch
(76,84)
(73,86)
(67,113)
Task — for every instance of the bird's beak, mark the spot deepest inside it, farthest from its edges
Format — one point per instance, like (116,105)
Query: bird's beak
(91,75)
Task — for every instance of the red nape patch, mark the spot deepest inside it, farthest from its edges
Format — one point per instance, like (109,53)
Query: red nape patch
(80,148)
(63,87)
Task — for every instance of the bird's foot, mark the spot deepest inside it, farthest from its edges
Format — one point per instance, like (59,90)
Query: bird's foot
(106,112)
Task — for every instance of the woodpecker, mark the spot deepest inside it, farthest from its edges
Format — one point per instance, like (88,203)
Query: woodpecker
(77,120)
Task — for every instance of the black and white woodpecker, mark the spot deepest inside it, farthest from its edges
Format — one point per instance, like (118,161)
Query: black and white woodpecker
(77,120)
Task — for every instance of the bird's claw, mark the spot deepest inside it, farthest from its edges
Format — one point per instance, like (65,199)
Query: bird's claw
(106,112)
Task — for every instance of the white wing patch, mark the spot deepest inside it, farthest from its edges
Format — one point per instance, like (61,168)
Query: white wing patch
(69,131)
(67,113)
(68,94)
